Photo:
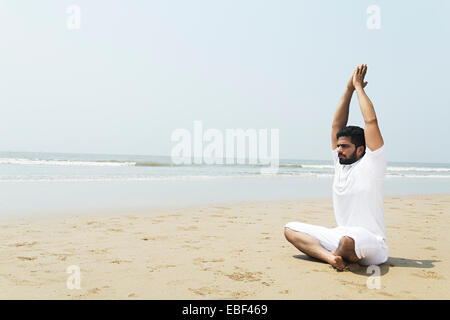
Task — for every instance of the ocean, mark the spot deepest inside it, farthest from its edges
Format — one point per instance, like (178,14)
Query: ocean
(63,182)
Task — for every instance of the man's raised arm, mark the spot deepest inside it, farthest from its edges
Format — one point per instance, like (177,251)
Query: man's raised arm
(372,133)
(341,115)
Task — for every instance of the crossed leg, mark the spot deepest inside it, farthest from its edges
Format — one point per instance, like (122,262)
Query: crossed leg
(311,246)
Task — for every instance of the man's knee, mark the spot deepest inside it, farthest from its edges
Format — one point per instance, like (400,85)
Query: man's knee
(291,235)
(295,237)
(288,233)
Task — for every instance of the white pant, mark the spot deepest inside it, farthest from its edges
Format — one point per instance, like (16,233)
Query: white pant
(370,248)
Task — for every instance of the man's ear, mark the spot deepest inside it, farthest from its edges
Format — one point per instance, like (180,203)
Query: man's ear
(360,151)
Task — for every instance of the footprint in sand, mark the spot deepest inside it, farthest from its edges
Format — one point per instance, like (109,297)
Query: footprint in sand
(27,258)
(61,256)
(94,291)
(385,294)
(119,261)
(89,223)
(199,261)
(98,251)
(353,284)
(23,244)
(203,291)
(239,294)
(245,276)
(155,268)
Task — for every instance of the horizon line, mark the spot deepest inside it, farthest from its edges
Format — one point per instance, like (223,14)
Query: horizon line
(153,155)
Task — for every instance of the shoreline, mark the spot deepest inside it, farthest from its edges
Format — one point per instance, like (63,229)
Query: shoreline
(228,251)
(36,198)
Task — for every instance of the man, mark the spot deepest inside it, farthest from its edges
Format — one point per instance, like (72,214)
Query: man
(360,165)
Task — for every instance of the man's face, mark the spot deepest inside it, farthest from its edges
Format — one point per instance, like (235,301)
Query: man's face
(347,151)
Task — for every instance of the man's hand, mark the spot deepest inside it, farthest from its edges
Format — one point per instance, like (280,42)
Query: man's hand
(357,80)
(350,84)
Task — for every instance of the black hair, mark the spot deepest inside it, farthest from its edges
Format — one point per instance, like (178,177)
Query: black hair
(356,135)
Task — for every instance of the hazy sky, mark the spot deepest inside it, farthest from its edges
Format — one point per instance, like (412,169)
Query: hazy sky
(137,70)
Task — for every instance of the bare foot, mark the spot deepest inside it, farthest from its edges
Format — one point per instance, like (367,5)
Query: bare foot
(338,263)
(347,249)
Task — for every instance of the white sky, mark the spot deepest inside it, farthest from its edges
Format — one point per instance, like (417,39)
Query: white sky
(137,70)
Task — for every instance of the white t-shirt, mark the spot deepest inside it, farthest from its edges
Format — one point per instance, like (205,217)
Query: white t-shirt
(358,192)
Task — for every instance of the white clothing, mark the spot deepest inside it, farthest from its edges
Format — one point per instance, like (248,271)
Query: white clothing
(358,208)
(370,249)
(358,192)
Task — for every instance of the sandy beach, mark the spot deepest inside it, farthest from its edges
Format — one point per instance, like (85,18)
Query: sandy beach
(233,251)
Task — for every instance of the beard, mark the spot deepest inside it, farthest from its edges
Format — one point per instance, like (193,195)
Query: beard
(350,160)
